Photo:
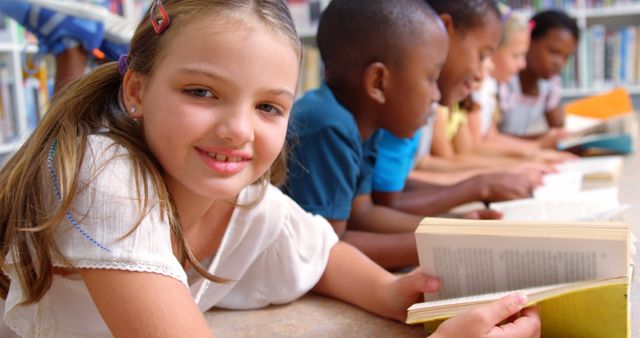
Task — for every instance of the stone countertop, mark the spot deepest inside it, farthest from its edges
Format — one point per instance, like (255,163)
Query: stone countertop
(318,316)
(310,316)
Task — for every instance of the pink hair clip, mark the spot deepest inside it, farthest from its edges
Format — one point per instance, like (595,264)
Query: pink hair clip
(159,25)
(532,25)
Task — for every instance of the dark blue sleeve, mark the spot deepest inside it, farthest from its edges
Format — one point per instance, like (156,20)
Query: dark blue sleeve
(323,171)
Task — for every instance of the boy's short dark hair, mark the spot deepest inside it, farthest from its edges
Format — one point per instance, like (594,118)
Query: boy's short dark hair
(352,34)
(466,14)
(553,19)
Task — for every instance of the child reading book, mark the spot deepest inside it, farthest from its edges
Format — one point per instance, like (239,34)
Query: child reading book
(530,102)
(508,60)
(579,272)
(143,198)
(381,71)
(473,29)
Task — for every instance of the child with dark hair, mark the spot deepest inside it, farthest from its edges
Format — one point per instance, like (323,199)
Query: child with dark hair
(474,28)
(530,102)
(381,71)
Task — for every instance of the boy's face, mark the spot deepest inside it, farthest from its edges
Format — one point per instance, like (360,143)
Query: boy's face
(549,53)
(413,84)
(215,109)
(511,58)
(467,51)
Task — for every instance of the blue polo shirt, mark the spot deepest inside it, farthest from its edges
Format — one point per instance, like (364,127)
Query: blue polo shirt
(329,164)
(396,158)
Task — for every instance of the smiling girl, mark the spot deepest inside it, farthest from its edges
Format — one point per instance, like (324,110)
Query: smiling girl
(143,198)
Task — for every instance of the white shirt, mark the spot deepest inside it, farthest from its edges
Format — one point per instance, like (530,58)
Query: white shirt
(275,252)
(523,114)
(487,98)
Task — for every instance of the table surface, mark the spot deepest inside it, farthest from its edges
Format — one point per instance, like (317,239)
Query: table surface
(318,316)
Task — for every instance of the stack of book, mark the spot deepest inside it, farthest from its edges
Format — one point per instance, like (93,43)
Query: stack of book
(601,124)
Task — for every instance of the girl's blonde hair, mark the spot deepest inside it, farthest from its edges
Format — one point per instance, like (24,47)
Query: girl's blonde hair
(88,106)
(513,24)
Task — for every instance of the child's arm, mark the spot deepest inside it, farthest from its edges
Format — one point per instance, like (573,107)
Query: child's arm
(441,145)
(354,278)
(485,321)
(555,117)
(70,65)
(427,199)
(141,304)
(377,230)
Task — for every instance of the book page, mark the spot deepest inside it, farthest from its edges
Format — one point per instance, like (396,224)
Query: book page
(602,166)
(575,124)
(597,204)
(559,184)
(470,264)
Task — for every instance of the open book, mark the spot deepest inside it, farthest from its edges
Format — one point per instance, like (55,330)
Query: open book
(601,167)
(577,271)
(601,124)
(590,205)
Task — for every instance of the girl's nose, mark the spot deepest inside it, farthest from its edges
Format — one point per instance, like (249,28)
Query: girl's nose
(237,126)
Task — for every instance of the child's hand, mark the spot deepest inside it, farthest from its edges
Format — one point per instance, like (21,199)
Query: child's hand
(496,187)
(551,138)
(554,156)
(483,321)
(535,167)
(482,214)
(406,291)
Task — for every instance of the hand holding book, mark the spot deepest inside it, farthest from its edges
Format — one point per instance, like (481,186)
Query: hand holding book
(491,320)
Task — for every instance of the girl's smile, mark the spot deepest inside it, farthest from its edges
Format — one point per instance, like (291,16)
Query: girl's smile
(224,161)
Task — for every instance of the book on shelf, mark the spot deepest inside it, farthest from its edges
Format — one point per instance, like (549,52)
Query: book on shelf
(36,91)
(8,127)
(311,70)
(306,13)
(566,4)
(578,272)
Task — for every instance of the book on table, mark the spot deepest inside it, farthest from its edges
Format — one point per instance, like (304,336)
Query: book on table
(594,168)
(603,124)
(578,272)
(588,205)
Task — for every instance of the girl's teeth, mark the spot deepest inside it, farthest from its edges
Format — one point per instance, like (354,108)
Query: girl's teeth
(223,158)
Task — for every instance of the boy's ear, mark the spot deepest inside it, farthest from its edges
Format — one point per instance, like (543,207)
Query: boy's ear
(447,20)
(376,82)
(132,88)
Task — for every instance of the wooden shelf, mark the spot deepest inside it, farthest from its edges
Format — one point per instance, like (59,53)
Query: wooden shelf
(613,11)
(578,92)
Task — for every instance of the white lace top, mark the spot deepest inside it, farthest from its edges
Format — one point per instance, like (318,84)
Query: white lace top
(274,251)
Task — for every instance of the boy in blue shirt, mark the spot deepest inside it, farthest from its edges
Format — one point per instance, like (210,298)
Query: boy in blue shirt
(382,61)
(474,30)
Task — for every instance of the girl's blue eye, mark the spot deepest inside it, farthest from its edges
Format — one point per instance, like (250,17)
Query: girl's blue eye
(200,92)
(269,109)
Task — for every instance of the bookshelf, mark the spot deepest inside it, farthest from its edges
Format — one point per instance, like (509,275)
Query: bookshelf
(608,54)
(23,98)
(13,106)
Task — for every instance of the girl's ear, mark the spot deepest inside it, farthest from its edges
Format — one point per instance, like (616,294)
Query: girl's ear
(132,88)
(447,20)
(376,82)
